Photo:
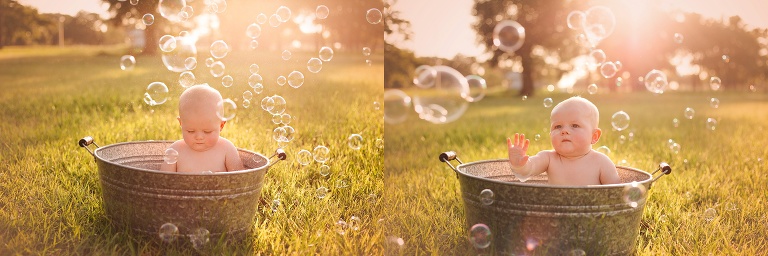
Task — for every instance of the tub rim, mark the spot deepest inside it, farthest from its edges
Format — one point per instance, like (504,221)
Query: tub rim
(100,158)
(459,167)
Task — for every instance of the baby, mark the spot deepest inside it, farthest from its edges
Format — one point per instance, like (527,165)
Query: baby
(573,130)
(202,149)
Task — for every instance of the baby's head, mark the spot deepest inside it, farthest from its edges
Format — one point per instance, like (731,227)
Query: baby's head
(574,127)
(200,125)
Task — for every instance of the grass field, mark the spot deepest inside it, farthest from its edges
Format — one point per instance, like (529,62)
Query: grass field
(724,169)
(50,193)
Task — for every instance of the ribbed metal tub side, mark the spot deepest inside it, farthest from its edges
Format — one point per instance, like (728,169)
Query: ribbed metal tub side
(138,196)
(541,219)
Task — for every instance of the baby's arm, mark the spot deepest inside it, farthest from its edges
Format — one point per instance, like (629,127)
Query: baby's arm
(608,173)
(232,159)
(523,164)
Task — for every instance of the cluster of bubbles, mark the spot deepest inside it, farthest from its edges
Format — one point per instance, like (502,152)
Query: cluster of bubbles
(594,25)
(443,95)
(199,237)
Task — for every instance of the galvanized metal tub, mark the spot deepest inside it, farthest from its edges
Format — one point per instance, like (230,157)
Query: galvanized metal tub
(534,218)
(139,197)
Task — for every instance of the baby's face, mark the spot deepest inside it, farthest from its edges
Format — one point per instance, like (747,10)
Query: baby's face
(571,130)
(200,132)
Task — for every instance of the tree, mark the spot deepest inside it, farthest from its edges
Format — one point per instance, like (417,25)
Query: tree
(22,25)
(398,63)
(544,23)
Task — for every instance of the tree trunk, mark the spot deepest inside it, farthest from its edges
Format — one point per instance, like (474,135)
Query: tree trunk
(527,89)
(150,40)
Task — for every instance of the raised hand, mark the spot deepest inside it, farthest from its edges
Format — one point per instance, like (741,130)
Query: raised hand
(518,155)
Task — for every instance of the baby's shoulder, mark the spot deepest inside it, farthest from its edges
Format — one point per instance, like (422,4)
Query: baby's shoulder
(601,158)
(179,144)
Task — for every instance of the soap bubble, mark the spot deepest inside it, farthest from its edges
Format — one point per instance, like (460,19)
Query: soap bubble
(656,81)
(599,23)
(689,112)
(199,238)
(622,139)
(396,106)
(314,65)
(279,134)
(254,44)
(480,236)
(281,80)
(289,133)
(186,79)
(321,192)
(295,79)
(267,104)
(341,183)
(477,88)
(255,79)
(679,38)
(620,120)
(714,103)
(253,68)
(286,55)
(608,69)
(366,51)
(324,170)
(592,89)
(227,81)
(355,141)
(280,105)
(373,16)
(170,9)
(325,53)
(576,20)
(219,49)
(711,124)
(258,88)
(217,69)
(603,149)
(715,83)
(247,95)
(148,19)
(170,156)
(168,232)
(379,144)
(710,214)
(376,105)
(548,102)
(341,227)
(127,62)
(597,58)
(486,196)
(285,118)
(577,252)
(618,67)
(225,109)
(283,13)
(156,94)
(354,223)
(537,137)
(675,148)
(186,12)
(209,61)
(675,122)
(261,18)
(134,2)
(190,63)
(167,43)
(443,102)
(253,31)
(246,103)
(634,194)
(275,205)
(304,157)
(424,76)
(321,154)
(322,12)
(175,60)
(508,36)
(274,21)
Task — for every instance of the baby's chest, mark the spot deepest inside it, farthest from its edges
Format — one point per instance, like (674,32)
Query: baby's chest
(577,171)
(201,161)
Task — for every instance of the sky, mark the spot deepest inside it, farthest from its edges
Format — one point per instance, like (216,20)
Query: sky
(443,30)
(70,7)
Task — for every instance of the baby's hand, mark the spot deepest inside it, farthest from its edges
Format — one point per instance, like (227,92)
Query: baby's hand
(518,156)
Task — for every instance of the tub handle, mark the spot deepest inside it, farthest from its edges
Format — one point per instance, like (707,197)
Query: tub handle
(447,157)
(87,141)
(665,170)
(280,153)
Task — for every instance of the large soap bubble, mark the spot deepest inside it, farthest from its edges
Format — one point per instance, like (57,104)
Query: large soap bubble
(656,81)
(170,9)
(600,23)
(175,60)
(443,102)
(396,106)
(508,35)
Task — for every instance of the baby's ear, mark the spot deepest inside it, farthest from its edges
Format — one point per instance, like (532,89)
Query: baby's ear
(179,118)
(222,125)
(596,135)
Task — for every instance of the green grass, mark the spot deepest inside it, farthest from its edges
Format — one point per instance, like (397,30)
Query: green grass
(717,169)
(50,193)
